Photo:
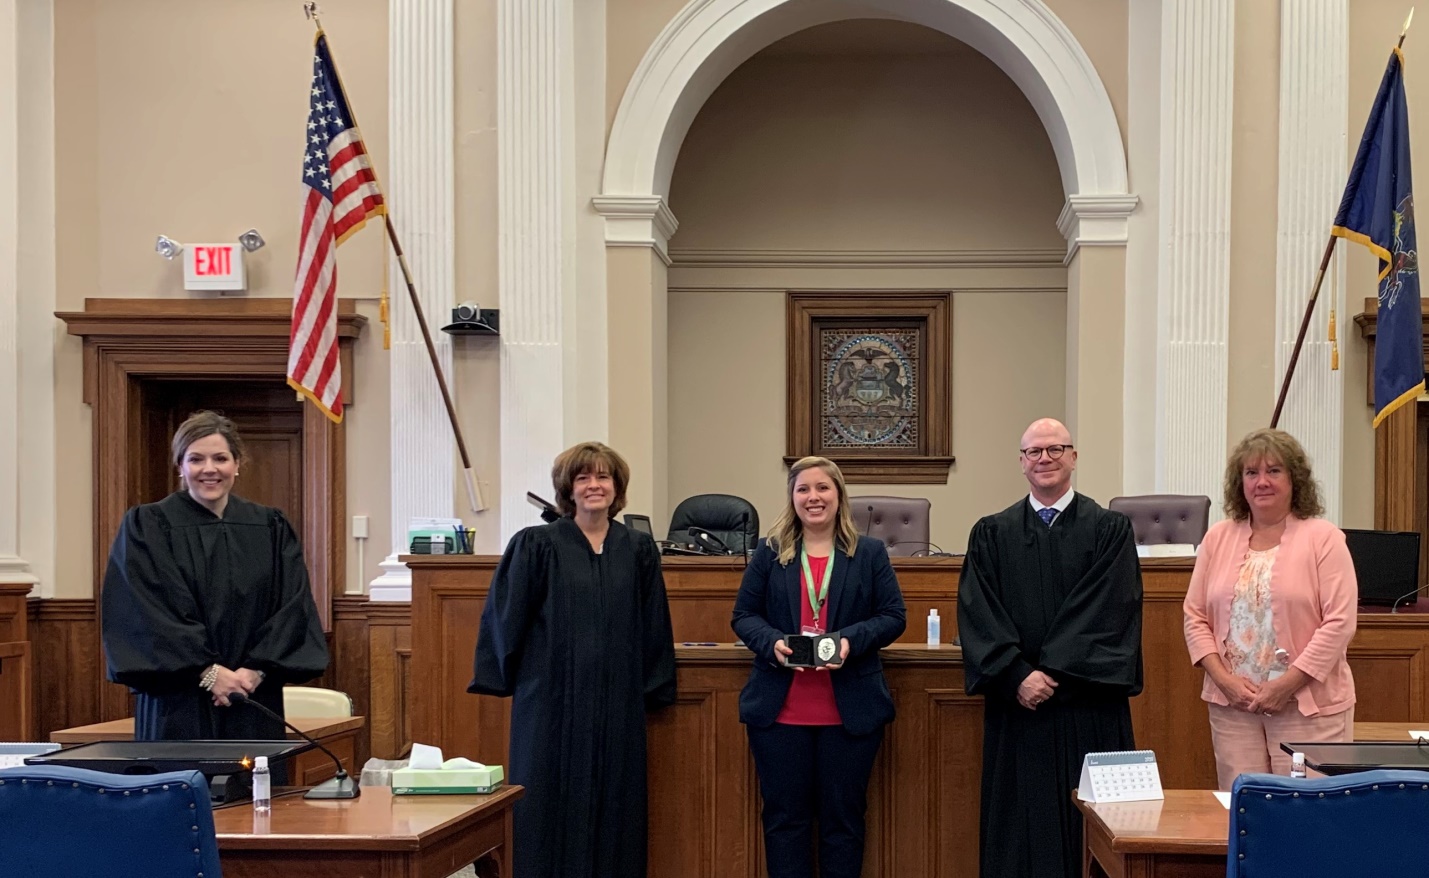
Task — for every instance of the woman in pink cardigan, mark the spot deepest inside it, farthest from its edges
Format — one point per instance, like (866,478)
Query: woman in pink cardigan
(1270,612)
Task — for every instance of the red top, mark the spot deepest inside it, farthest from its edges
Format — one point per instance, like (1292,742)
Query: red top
(810,701)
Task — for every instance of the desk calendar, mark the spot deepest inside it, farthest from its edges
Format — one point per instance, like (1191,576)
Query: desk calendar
(12,755)
(1124,776)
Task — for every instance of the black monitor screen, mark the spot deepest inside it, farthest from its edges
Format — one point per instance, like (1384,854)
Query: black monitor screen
(152,757)
(639,524)
(1386,564)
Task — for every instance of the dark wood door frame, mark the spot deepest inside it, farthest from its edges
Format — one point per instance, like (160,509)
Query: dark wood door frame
(129,341)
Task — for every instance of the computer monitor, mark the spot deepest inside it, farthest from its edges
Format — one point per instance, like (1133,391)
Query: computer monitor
(1386,564)
(639,524)
(226,764)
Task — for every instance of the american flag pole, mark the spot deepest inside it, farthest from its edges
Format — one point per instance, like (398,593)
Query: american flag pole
(473,492)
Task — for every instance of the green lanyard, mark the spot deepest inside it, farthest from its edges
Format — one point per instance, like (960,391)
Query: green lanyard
(816,601)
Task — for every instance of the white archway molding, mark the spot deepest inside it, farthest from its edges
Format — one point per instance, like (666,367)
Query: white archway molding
(710,38)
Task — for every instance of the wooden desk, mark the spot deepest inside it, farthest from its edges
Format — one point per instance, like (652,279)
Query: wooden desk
(375,834)
(1182,836)
(338,734)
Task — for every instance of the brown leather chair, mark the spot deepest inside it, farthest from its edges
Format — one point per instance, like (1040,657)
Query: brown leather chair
(901,522)
(1161,519)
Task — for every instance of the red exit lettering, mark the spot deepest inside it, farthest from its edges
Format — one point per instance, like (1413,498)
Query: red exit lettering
(212,261)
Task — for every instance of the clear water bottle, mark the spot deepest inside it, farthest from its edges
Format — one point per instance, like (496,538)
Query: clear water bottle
(1297,765)
(262,786)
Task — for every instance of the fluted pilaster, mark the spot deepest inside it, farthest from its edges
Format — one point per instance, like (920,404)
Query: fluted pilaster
(420,188)
(1314,76)
(536,215)
(1197,86)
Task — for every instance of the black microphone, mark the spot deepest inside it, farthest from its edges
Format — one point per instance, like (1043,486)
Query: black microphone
(709,542)
(549,513)
(1395,607)
(340,786)
(936,553)
(868,525)
(744,536)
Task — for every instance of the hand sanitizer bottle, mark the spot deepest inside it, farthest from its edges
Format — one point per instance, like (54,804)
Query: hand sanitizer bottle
(262,786)
(1297,764)
(934,627)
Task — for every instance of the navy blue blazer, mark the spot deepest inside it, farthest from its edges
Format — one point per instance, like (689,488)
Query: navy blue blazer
(865,605)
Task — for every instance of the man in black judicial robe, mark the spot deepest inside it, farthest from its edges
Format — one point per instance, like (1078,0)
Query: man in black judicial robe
(186,589)
(1049,616)
(583,643)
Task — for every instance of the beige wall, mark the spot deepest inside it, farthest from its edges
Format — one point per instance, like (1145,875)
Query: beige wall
(168,122)
(800,159)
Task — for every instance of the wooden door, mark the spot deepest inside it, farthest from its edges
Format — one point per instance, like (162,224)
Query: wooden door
(268,417)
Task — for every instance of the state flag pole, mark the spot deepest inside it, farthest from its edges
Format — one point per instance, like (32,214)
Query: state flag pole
(1315,291)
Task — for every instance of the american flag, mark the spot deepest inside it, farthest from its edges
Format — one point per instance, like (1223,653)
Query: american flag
(341,192)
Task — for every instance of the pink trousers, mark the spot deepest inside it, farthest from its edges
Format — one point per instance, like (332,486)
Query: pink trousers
(1250,742)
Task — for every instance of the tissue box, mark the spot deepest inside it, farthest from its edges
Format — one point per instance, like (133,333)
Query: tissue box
(454,781)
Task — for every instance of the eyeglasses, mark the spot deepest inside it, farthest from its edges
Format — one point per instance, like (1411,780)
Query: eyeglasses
(1053,452)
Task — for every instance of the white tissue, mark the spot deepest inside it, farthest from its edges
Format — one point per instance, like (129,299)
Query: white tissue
(425,756)
(461,762)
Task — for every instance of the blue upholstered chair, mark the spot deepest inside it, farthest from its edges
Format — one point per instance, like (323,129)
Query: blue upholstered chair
(1367,823)
(59,821)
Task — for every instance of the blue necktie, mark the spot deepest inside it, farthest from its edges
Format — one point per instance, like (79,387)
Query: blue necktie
(1047,514)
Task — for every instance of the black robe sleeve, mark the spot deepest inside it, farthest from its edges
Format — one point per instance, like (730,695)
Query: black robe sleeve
(993,662)
(289,645)
(1096,636)
(154,636)
(659,638)
(517,591)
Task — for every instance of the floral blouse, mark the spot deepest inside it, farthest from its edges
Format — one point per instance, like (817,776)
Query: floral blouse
(1250,643)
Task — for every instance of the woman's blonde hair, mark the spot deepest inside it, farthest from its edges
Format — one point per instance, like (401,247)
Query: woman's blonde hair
(1281,447)
(594,458)
(788,530)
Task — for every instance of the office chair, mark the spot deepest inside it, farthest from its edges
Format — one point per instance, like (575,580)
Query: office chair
(732,520)
(1162,519)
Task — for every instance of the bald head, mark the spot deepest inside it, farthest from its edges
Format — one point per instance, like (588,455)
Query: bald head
(1046,431)
(1049,476)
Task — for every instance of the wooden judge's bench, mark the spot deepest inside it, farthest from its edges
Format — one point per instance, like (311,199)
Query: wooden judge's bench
(923,798)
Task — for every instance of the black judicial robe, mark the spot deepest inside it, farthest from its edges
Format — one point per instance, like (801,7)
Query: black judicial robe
(582,642)
(185,589)
(1065,600)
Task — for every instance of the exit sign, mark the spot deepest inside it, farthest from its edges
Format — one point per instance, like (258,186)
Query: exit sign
(214,267)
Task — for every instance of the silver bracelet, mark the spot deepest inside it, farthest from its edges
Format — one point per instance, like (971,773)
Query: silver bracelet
(210,676)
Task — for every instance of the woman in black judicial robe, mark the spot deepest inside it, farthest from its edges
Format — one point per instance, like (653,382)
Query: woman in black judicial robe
(205,596)
(1064,599)
(576,629)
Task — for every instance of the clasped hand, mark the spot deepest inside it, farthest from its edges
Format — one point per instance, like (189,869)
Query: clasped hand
(782,653)
(1034,690)
(1267,698)
(228,683)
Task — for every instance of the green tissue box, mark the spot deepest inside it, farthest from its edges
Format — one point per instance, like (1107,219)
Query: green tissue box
(453,780)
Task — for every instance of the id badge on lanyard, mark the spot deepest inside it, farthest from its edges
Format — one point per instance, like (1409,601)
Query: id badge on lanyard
(817,599)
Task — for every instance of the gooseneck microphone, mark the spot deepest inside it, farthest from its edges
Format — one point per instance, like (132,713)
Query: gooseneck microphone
(868,525)
(745,549)
(340,786)
(1394,608)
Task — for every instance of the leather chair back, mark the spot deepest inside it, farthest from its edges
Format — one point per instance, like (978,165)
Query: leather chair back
(315,701)
(1160,519)
(900,522)
(56,820)
(732,520)
(1366,823)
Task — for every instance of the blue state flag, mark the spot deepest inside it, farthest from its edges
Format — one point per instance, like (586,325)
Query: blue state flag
(1378,212)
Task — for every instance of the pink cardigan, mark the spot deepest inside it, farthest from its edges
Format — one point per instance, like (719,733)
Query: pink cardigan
(1313,600)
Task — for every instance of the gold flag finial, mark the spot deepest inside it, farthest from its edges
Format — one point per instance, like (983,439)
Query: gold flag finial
(311,11)
(1408,18)
(1334,345)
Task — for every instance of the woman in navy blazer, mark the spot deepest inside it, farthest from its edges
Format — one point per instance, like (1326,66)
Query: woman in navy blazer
(814,733)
